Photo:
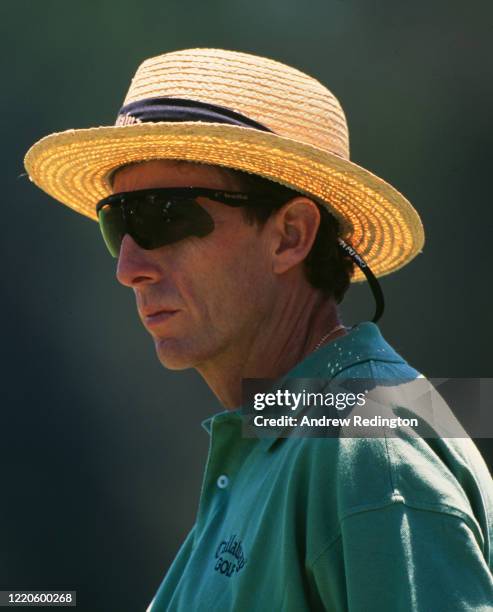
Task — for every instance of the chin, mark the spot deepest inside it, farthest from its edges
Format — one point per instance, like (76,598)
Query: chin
(173,355)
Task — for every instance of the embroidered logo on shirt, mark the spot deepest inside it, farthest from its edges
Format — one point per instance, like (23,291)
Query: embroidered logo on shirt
(230,557)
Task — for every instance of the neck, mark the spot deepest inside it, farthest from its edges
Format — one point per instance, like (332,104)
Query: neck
(274,348)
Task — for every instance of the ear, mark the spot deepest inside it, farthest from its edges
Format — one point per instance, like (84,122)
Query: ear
(295,227)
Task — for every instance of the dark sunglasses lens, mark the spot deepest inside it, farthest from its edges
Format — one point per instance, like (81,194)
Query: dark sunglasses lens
(153,222)
(156,223)
(146,223)
(112,227)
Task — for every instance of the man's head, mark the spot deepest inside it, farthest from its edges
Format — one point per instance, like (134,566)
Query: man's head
(229,109)
(222,289)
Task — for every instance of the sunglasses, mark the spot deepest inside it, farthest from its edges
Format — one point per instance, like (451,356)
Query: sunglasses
(157,217)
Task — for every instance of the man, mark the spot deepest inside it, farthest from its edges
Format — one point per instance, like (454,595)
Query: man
(226,192)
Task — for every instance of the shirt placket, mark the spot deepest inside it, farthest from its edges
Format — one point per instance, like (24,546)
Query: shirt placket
(220,471)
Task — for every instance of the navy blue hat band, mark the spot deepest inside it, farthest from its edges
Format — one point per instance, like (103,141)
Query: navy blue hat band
(176,109)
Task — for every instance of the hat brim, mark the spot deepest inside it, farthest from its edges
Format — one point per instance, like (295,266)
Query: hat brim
(75,166)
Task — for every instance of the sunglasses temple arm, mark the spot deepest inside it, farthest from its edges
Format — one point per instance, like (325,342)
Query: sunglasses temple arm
(370,277)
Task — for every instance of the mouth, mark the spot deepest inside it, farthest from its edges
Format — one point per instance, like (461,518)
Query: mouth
(158,317)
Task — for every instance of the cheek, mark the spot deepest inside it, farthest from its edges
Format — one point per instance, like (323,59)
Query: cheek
(225,282)
(245,284)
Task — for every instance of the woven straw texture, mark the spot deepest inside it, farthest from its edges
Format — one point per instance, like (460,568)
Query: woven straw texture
(309,149)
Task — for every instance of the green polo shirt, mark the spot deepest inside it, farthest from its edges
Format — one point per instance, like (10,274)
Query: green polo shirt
(360,524)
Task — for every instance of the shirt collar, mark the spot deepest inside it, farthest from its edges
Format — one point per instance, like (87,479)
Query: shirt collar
(363,343)
(221,417)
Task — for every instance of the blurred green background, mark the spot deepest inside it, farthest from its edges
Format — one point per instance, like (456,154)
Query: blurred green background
(102,451)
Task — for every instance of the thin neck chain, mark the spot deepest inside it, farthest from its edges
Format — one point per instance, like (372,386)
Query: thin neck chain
(328,335)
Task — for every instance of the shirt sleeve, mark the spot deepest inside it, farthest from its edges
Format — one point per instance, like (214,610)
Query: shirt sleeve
(402,559)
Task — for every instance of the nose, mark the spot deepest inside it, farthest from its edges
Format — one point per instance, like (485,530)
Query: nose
(136,266)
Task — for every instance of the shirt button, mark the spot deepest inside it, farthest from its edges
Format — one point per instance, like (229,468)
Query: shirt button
(222,481)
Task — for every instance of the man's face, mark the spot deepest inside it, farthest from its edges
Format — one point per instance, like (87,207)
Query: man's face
(215,291)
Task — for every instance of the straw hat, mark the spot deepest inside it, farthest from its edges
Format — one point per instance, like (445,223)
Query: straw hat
(243,112)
